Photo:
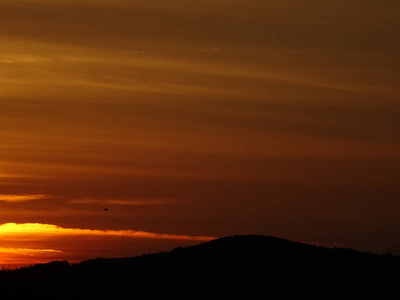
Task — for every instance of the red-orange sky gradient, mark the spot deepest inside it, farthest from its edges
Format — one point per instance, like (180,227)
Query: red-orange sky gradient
(190,120)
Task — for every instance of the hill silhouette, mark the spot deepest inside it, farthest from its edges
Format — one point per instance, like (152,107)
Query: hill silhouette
(245,265)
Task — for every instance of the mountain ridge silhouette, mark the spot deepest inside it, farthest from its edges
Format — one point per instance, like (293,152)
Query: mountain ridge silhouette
(233,265)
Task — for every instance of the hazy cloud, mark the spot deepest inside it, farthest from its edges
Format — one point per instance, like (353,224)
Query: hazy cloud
(210,101)
(20,59)
(128,202)
(23,198)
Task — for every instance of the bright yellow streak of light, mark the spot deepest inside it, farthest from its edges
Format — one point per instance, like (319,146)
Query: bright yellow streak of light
(26,251)
(34,231)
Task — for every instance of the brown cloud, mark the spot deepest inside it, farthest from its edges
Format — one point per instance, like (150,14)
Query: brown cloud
(128,202)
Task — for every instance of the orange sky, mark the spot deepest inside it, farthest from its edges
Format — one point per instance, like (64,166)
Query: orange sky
(197,119)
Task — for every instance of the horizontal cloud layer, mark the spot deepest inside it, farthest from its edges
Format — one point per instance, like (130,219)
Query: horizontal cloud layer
(22,198)
(128,202)
(265,116)
(41,243)
(34,231)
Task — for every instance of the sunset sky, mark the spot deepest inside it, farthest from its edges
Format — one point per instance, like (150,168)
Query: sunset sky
(190,120)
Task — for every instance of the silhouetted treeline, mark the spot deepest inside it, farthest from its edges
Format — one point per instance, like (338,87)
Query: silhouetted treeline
(237,265)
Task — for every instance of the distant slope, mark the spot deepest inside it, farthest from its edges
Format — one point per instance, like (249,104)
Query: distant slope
(230,265)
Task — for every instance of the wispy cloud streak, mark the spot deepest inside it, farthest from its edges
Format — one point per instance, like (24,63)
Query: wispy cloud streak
(22,198)
(128,202)
(35,231)
(27,251)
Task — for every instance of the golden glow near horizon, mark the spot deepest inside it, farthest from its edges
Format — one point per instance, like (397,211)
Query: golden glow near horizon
(205,118)
(33,231)
(48,234)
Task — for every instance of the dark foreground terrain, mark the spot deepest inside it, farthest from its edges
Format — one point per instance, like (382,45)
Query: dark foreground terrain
(238,265)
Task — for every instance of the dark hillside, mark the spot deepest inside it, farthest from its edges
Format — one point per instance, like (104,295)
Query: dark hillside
(230,265)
